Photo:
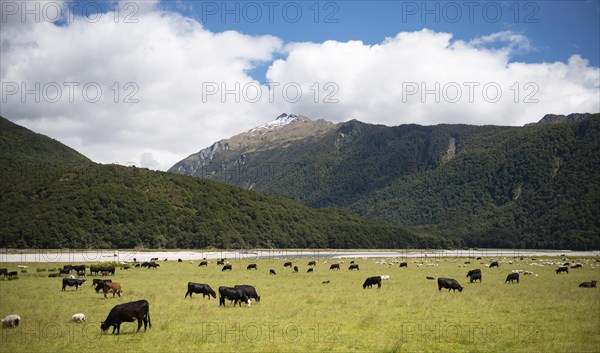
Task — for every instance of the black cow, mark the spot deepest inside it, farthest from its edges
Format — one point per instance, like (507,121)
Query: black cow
(4,271)
(64,271)
(512,277)
(478,258)
(309,270)
(154,259)
(312,263)
(79,268)
(94,270)
(404,264)
(272,272)
(562,269)
(370,281)
(233,294)
(179,260)
(494,264)
(577,266)
(251,266)
(150,264)
(108,270)
(430,278)
(287,264)
(295,268)
(226,267)
(203,263)
(474,275)
(98,284)
(249,290)
(334,266)
(449,283)
(220,262)
(354,267)
(128,312)
(591,284)
(199,288)
(12,274)
(72,282)
(68,267)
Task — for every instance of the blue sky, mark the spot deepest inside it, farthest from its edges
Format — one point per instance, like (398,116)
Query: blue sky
(556,29)
(169,78)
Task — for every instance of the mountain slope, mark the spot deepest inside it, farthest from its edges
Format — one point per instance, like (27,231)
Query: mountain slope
(52,197)
(533,186)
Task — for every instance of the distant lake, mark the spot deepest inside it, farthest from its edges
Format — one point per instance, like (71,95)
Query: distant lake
(76,256)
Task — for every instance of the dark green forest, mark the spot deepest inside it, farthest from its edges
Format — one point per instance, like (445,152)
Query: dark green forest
(53,197)
(536,186)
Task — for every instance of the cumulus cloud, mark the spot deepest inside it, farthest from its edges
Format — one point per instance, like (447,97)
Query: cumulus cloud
(150,86)
(426,77)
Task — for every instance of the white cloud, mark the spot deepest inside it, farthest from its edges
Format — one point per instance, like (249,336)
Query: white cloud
(164,60)
(399,80)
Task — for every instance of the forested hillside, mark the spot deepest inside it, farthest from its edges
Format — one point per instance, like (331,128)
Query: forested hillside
(494,186)
(53,197)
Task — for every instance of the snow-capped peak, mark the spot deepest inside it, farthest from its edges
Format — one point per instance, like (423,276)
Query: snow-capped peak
(281,120)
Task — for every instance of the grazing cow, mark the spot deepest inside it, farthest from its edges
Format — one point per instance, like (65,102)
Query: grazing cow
(154,259)
(99,283)
(325,282)
(150,264)
(137,265)
(354,267)
(430,278)
(577,266)
(334,266)
(179,260)
(295,268)
(64,271)
(449,283)
(220,262)
(3,271)
(478,258)
(309,270)
(474,275)
(128,312)
(233,294)
(404,264)
(370,281)
(12,274)
(109,270)
(591,284)
(94,270)
(68,267)
(467,262)
(251,266)
(203,263)
(114,287)
(272,272)
(72,282)
(79,317)
(562,269)
(287,264)
(512,277)
(81,274)
(494,264)
(226,267)
(199,288)
(11,321)
(312,263)
(79,268)
(249,290)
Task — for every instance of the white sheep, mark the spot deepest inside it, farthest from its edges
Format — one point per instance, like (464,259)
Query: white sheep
(384,277)
(79,317)
(11,321)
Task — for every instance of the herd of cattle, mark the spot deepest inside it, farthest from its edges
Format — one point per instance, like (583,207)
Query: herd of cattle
(140,310)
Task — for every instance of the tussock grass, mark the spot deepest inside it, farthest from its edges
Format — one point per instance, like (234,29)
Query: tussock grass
(298,313)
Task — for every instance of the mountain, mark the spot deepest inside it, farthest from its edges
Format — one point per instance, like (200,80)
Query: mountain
(53,197)
(278,133)
(559,119)
(482,186)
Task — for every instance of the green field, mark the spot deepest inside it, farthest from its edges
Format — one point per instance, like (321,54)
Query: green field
(297,313)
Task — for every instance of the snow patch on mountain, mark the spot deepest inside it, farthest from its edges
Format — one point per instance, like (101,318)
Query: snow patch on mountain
(281,121)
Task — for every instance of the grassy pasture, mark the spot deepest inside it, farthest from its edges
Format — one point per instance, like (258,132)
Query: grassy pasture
(297,313)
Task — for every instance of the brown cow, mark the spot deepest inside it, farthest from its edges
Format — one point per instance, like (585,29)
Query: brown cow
(113,287)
